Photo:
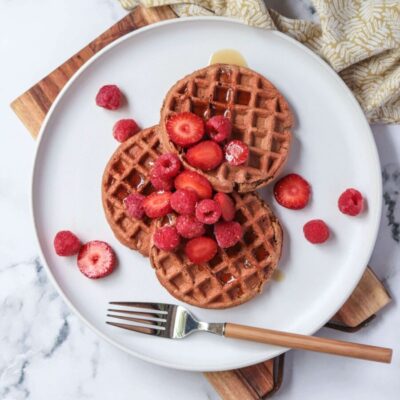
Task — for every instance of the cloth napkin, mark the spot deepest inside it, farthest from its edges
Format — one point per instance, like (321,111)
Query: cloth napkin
(360,39)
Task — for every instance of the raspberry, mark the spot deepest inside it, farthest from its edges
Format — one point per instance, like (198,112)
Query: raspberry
(166,238)
(351,202)
(183,201)
(200,250)
(227,233)
(124,129)
(66,243)
(206,155)
(96,259)
(157,204)
(189,227)
(158,182)
(219,128)
(227,206)
(208,211)
(316,231)
(109,97)
(168,166)
(134,205)
(236,152)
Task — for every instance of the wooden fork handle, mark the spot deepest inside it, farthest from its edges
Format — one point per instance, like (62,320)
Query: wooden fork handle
(312,343)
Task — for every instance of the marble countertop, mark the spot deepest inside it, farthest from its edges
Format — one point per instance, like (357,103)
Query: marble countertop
(45,351)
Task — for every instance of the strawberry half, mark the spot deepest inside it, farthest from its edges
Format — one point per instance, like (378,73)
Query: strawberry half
(206,155)
(96,259)
(157,204)
(193,181)
(292,191)
(201,249)
(185,129)
(227,206)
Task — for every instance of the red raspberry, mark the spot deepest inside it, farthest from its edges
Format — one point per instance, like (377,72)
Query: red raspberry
(200,250)
(351,202)
(219,128)
(158,182)
(205,155)
(227,206)
(236,152)
(208,211)
(66,243)
(134,205)
(157,204)
(183,201)
(109,97)
(166,238)
(124,129)
(316,231)
(189,227)
(168,166)
(228,233)
(96,259)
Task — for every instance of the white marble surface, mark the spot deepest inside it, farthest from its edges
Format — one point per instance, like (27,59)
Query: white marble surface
(45,351)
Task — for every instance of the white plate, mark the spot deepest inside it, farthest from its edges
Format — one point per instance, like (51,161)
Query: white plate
(333,148)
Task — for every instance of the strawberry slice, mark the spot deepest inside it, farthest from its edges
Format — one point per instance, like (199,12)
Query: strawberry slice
(193,181)
(292,191)
(185,129)
(227,206)
(96,259)
(200,250)
(157,204)
(206,155)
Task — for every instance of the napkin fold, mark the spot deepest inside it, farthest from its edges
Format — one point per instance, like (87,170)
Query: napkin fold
(360,39)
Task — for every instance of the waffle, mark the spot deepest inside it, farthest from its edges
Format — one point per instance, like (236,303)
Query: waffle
(234,275)
(127,171)
(259,114)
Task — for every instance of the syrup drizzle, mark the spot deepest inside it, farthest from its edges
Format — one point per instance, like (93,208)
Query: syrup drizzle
(227,56)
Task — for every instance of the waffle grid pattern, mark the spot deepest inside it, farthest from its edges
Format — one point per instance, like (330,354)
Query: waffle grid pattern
(127,171)
(234,275)
(259,114)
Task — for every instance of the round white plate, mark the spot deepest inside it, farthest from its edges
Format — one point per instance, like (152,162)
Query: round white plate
(333,148)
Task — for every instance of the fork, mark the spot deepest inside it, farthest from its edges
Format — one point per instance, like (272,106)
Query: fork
(176,322)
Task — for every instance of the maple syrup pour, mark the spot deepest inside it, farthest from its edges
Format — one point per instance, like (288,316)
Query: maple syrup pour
(278,275)
(227,56)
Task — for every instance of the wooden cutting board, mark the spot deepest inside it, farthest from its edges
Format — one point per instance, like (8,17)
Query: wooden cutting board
(254,382)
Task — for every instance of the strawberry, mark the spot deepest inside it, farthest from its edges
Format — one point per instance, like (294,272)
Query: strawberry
(201,249)
(66,243)
(193,181)
(219,128)
(292,191)
(236,152)
(316,231)
(227,206)
(205,155)
(96,259)
(185,129)
(166,238)
(157,204)
(351,202)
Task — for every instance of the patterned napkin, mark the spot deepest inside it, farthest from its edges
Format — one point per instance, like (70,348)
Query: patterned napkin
(360,39)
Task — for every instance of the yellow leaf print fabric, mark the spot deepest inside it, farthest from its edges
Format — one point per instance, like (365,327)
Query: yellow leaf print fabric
(360,39)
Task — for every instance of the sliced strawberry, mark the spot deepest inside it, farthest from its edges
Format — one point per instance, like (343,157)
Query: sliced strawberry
(292,191)
(219,128)
(206,155)
(185,129)
(201,249)
(193,181)
(316,231)
(236,152)
(351,202)
(227,206)
(96,259)
(157,204)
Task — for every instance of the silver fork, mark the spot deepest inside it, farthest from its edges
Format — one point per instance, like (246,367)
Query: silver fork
(176,322)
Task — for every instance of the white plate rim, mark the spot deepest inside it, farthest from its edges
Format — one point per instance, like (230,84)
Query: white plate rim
(374,154)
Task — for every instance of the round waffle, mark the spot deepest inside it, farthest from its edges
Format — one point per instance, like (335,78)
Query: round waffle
(235,275)
(259,114)
(126,172)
